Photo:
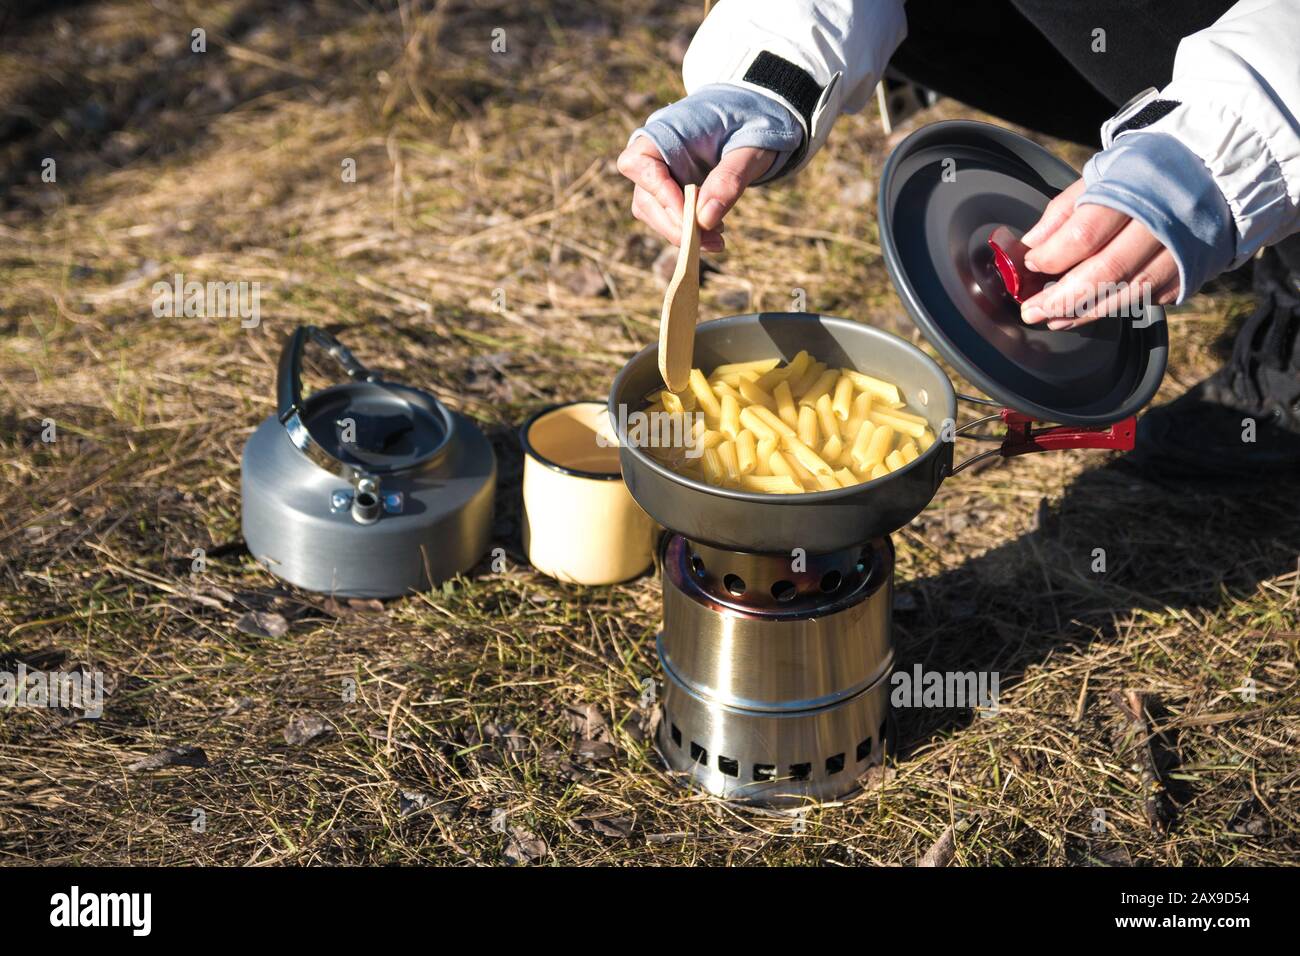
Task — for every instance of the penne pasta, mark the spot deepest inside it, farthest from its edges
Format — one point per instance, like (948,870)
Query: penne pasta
(780,465)
(711,438)
(815,370)
(822,386)
(881,441)
(759,426)
(896,423)
(876,387)
(785,404)
(857,415)
(805,456)
(751,393)
(766,447)
(746,452)
(807,425)
(677,404)
(729,423)
(708,402)
(712,465)
(775,428)
(777,425)
(727,452)
(771,484)
(758,367)
(722,388)
(802,474)
(843,401)
(827,482)
(769,380)
(858,452)
(826,417)
(908,416)
(799,365)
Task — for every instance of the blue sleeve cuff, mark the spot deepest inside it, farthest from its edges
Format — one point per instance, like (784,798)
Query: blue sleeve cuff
(694,133)
(1158,181)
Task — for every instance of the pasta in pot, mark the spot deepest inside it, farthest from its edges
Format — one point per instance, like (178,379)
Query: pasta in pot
(788,429)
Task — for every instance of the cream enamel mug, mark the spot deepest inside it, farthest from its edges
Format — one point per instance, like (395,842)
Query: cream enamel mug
(580,523)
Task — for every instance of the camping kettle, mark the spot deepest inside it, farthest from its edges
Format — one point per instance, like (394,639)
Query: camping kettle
(364,489)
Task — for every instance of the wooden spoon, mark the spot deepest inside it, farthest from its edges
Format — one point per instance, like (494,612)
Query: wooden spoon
(681,304)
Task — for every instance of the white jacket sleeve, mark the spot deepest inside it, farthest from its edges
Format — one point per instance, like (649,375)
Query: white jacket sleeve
(1234,101)
(818,58)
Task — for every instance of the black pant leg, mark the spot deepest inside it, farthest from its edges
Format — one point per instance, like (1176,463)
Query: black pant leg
(988,55)
(1121,47)
(1032,62)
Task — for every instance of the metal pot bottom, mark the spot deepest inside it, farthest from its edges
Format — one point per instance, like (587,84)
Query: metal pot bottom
(769,707)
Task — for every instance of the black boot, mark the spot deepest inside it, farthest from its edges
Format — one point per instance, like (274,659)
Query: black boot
(1244,420)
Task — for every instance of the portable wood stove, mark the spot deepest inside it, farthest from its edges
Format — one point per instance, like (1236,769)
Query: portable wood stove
(775,668)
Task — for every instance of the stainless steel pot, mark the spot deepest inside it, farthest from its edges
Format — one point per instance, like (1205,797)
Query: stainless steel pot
(819,521)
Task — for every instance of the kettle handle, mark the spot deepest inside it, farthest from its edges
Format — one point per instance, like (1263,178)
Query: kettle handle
(288,379)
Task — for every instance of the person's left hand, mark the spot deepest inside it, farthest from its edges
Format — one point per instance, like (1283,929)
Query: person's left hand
(1108,261)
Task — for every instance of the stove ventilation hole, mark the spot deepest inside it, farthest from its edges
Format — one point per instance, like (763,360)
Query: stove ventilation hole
(735,584)
(697,565)
(729,766)
(698,753)
(784,591)
(764,771)
(676,735)
(831,582)
(800,771)
(864,750)
(834,764)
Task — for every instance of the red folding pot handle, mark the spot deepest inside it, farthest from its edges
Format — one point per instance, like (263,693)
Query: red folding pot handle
(1009,258)
(1022,438)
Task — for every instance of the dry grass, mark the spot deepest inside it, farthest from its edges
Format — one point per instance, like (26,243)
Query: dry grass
(486,179)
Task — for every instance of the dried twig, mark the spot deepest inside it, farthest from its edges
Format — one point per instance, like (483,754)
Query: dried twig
(1137,742)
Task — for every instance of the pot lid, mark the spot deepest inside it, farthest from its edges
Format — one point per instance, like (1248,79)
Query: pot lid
(944,192)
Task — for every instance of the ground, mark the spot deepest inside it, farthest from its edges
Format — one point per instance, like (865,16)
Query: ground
(485,251)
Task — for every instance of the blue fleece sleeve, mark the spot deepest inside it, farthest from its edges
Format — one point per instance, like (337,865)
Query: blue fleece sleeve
(1158,181)
(694,133)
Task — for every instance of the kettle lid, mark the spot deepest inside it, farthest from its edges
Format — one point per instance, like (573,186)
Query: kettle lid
(366,424)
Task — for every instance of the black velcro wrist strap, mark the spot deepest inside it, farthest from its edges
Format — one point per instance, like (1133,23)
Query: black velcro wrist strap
(1153,112)
(792,83)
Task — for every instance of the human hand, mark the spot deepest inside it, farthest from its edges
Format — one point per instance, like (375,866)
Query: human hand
(1109,263)
(657,197)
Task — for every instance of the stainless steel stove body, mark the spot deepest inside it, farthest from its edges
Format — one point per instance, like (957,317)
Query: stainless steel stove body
(776,669)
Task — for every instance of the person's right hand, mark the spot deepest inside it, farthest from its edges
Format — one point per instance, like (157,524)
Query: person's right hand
(657,197)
